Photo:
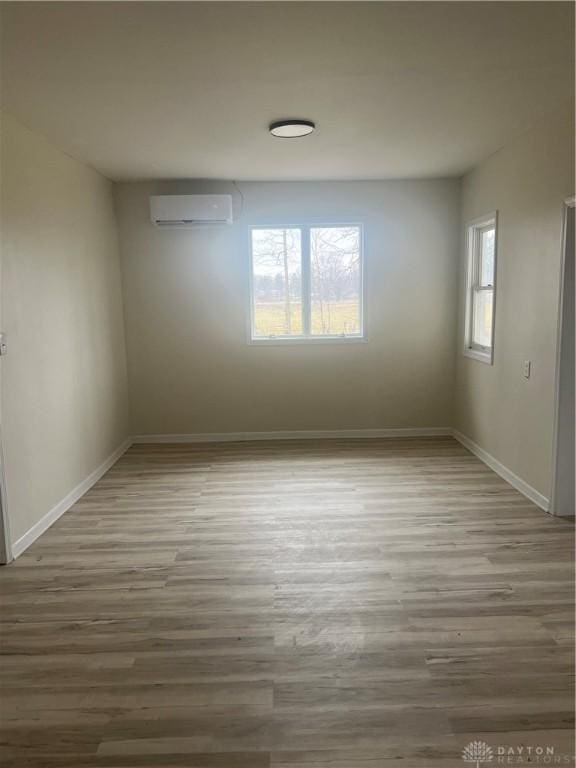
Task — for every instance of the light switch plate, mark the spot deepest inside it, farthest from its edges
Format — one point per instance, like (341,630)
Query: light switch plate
(526,366)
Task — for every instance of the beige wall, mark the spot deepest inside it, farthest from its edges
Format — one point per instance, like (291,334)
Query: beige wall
(64,392)
(504,413)
(190,367)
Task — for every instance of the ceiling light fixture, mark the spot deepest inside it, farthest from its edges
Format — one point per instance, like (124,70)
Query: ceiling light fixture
(291,129)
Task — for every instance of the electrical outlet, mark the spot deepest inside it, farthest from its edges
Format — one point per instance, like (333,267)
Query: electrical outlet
(526,366)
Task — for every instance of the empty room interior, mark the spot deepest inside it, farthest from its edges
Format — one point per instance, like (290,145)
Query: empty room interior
(287,384)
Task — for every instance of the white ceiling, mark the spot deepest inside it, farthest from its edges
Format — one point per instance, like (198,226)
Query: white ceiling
(187,89)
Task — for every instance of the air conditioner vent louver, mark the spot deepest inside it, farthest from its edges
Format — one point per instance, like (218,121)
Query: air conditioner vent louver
(184,222)
(189,211)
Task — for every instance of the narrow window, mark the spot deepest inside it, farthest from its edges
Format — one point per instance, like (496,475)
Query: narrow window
(277,282)
(306,283)
(480,292)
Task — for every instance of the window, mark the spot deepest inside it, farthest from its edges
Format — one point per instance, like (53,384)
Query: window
(306,283)
(480,289)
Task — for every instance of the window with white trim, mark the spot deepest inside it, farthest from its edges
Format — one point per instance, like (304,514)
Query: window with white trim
(480,288)
(306,283)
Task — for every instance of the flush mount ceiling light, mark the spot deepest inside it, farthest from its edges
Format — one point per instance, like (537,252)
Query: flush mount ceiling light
(291,129)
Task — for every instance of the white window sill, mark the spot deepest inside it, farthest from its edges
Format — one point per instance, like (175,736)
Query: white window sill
(477,354)
(291,340)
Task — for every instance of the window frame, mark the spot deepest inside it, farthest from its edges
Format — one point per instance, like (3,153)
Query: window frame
(361,337)
(474,229)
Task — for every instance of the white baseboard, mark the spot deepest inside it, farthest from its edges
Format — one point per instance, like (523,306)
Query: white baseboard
(234,437)
(521,485)
(71,498)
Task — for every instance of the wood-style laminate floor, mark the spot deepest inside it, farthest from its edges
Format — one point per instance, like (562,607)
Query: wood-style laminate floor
(330,604)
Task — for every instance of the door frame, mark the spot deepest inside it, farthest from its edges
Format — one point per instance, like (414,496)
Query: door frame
(569,202)
(6,555)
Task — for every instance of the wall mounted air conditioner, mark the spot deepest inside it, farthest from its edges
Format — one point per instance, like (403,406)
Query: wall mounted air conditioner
(188,211)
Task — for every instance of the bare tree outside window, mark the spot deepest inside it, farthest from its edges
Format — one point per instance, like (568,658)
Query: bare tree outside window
(335,283)
(277,281)
(306,282)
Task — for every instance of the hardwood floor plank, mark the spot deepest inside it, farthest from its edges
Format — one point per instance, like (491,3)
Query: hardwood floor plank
(293,604)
